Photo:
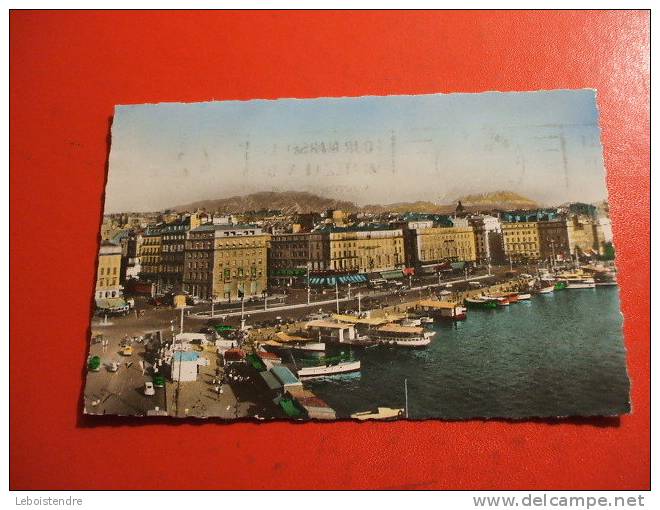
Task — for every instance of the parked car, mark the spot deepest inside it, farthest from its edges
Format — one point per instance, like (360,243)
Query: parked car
(149,389)
(127,350)
(94,364)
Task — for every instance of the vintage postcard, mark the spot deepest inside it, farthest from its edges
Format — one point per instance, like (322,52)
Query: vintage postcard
(439,256)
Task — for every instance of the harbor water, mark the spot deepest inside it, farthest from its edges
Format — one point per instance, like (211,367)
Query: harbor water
(558,354)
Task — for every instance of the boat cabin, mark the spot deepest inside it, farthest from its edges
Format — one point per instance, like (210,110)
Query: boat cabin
(330,331)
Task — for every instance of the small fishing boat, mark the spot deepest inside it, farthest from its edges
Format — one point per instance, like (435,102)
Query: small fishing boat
(524,297)
(499,300)
(513,297)
(547,290)
(480,302)
(426,320)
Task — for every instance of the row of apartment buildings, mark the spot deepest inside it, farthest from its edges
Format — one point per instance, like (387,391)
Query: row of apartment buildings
(230,261)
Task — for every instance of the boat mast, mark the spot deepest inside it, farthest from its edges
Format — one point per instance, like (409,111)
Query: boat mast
(405,387)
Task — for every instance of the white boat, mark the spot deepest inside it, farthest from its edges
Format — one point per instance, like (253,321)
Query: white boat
(401,336)
(411,322)
(547,290)
(342,367)
(382,413)
(523,297)
(427,320)
(309,346)
(581,283)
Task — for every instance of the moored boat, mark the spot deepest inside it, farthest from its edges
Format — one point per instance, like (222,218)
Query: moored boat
(401,336)
(524,297)
(499,300)
(547,290)
(561,285)
(480,303)
(581,283)
(442,310)
(329,369)
(382,413)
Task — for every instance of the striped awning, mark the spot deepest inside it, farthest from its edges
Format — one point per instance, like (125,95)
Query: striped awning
(331,281)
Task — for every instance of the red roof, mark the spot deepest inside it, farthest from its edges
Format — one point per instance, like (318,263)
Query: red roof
(234,354)
(268,355)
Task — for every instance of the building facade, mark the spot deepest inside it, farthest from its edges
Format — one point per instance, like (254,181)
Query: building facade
(521,240)
(488,239)
(109,271)
(151,255)
(173,241)
(438,244)
(225,262)
(585,235)
(553,240)
(365,250)
(293,255)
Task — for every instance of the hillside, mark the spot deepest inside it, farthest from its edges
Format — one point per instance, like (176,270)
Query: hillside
(497,200)
(289,201)
(302,202)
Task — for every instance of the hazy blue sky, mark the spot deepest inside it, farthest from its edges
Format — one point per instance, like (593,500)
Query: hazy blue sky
(370,150)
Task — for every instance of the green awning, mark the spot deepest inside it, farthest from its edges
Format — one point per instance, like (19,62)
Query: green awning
(391,275)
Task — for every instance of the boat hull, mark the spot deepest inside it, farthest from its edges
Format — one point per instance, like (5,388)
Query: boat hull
(581,286)
(329,370)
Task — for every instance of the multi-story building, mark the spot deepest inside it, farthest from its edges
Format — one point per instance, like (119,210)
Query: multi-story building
(109,271)
(433,245)
(585,235)
(151,255)
(173,241)
(521,240)
(553,240)
(131,267)
(488,238)
(225,262)
(293,255)
(365,249)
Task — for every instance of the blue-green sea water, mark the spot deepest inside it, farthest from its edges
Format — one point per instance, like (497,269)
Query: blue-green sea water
(559,354)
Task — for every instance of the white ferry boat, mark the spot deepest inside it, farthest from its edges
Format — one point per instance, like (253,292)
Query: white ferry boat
(342,367)
(401,336)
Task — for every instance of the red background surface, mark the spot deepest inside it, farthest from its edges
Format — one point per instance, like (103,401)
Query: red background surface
(69,69)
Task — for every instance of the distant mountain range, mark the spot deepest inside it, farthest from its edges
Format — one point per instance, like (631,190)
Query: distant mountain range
(288,201)
(302,202)
(498,200)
